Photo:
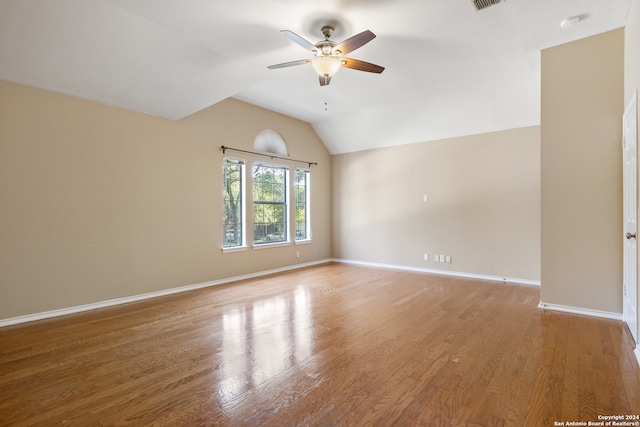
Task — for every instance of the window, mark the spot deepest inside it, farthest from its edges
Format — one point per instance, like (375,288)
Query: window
(275,220)
(270,212)
(233,204)
(301,187)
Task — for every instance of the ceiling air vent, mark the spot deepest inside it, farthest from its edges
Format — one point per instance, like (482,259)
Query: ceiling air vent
(483,4)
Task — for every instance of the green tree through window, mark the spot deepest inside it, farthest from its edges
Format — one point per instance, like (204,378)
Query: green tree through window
(301,186)
(269,204)
(233,223)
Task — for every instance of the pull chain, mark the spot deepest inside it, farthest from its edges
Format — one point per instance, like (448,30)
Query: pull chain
(326,104)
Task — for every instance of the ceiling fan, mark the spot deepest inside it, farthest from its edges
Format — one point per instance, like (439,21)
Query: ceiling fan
(329,54)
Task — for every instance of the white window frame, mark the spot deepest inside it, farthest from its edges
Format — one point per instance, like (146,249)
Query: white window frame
(247,210)
(242,244)
(259,244)
(307,206)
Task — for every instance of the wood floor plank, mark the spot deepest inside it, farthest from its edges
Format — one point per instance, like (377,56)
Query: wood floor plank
(331,345)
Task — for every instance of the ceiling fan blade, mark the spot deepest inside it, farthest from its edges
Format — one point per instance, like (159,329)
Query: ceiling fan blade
(325,80)
(352,43)
(356,64)
(289,64)
(299,40)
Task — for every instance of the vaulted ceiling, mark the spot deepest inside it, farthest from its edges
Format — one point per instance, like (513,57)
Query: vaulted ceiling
(451,70)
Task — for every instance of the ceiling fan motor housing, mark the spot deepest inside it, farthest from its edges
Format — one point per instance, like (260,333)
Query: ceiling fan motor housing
(325,47)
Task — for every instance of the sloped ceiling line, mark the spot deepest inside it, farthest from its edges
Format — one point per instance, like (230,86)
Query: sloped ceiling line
(446,64)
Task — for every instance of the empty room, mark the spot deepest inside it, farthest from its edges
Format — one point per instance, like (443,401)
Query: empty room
(278,213)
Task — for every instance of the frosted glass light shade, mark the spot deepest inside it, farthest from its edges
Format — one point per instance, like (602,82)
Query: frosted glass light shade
(326,65)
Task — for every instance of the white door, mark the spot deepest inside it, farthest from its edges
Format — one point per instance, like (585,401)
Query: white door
(630,285)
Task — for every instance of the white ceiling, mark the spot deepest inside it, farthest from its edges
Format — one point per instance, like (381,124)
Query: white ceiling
(450,70)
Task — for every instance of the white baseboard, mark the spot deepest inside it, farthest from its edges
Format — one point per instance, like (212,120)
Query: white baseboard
(133,298)
(443,272)
(582,311)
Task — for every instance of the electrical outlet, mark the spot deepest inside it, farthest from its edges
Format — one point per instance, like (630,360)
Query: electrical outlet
(426,257)
(297,254)
(447,259)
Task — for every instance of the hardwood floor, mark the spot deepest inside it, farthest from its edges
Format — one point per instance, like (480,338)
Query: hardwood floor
(325,346)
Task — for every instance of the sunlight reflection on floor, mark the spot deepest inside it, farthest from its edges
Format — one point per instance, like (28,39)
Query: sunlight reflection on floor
(263,340)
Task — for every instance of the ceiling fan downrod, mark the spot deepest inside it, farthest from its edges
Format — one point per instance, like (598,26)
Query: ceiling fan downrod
(327,31)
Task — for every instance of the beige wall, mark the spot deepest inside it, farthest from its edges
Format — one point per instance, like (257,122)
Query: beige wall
(581,175)
(100,203)
(482,209)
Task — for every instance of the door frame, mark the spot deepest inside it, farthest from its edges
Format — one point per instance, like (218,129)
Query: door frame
(630,312)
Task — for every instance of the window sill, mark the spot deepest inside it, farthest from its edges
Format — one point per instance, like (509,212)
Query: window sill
(270,245)
(303,242)
(234,249)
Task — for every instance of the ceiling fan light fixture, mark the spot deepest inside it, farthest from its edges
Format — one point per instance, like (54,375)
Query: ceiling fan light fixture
(326,65)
